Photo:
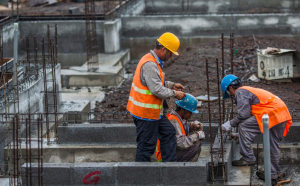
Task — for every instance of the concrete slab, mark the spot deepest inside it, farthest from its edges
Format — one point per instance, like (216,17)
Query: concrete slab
(110,72)
(91,94)
(106,152)
(4,182)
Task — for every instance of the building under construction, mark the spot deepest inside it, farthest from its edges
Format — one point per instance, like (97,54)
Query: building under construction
(66,69)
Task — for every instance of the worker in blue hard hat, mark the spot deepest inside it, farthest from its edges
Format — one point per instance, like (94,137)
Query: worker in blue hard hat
(252,103)
(188,134)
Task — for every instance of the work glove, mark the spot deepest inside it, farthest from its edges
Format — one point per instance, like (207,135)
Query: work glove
(226,126)
(234,136)
(201,134)
(196,125)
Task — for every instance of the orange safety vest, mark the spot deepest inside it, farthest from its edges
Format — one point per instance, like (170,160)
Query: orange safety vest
(271,105)
(142,102)
(170,117)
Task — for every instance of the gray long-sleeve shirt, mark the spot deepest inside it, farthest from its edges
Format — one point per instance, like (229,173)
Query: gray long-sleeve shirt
(244,100)
(150,77)
(183,142)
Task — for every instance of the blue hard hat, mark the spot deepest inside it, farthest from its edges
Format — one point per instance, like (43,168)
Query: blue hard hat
(189,103)
(226,81)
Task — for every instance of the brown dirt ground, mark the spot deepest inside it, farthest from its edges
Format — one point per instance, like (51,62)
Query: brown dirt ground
(189,69)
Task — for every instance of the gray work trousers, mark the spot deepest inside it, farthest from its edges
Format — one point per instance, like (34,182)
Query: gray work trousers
(189,154)
(248,129)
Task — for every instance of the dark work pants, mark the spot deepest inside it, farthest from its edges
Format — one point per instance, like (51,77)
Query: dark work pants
(248,129)
(189,154)
(148,132)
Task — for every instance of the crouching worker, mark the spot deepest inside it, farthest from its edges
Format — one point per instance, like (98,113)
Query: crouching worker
(188,134)
(252,103)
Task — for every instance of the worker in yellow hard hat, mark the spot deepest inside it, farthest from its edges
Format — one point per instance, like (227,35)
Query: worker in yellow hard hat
(146,101)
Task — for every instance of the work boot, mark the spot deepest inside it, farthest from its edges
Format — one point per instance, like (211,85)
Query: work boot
(274,182)
(261,174)
(242,162)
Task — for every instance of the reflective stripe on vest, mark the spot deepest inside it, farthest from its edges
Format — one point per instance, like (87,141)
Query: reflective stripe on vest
(142,103)
(170,117)
(271,105)
(141,90)
(145,105)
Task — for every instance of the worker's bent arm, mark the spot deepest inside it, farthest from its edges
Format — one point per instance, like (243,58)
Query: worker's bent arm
(151,77)
(183,142)
(244,100)
(169,84)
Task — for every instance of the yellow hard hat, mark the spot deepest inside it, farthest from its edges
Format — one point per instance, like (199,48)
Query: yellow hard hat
(169,41)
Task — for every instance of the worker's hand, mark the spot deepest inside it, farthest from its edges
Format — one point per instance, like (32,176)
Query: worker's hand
(178,86)
(234,136)
(201,134)
(226,126)
(179,94)
(196,126)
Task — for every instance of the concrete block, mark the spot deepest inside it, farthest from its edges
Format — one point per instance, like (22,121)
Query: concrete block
(53,174)
(112,36)
(183,174)
(108,133)
(291,137)
(74,10)
(136,173)
(101,173)
(96,133)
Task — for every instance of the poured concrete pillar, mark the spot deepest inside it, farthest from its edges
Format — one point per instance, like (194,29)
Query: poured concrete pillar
(112,36)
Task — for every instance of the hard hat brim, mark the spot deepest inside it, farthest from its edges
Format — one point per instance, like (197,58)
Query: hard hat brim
(195,111)
(176,53)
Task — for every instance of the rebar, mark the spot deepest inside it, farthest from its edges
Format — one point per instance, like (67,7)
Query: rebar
(223,74)
(231,64)
(56,45)
(91,36)
(220,118)
(231,52)
(27,55)
(36,65)
(209,119)
(54,88)
(45,92)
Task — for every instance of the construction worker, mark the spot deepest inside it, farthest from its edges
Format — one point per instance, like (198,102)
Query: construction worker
(148,92)
(252,104)
(188,135)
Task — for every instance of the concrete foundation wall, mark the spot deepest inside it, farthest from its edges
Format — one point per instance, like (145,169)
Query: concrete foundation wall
(136,7)
(211,25)
(32,94)
(8,39)
(221,6)
(107,133)
(70,35)
(132,173)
